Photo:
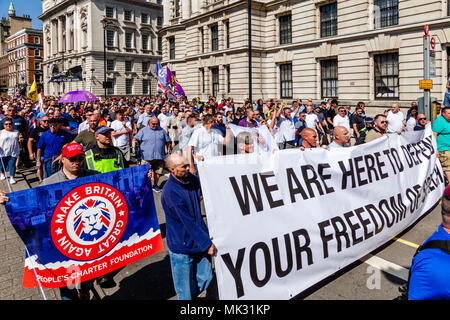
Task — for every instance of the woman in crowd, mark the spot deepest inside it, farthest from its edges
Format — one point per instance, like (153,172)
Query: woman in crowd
(9,150)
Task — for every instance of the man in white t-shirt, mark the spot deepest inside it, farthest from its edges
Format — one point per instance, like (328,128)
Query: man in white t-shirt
(121,134)
(395,119)
(286,129)
(163,117)
(412,121)
(341,119)
(311,119)
(204,142)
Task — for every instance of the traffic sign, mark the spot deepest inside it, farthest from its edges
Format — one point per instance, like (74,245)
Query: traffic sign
(426,28)
(426,84)
(432,44)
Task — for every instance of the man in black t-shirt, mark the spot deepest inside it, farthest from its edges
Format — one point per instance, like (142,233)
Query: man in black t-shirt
(358,123)
(33,141)
(331,113)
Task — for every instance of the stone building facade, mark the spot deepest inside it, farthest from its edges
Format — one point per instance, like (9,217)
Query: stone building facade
(355,50)
(74,35)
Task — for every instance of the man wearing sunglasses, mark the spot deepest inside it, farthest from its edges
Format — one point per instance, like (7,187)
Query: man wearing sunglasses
(33,141)
(379,128)
(49,147)
(421,122)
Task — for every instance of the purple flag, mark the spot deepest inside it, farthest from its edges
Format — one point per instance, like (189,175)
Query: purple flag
(173,81)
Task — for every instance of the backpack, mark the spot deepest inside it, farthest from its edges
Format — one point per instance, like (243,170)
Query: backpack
(444,245)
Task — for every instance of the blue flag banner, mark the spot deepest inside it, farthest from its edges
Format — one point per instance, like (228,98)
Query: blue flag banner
(159,70)
(80,229)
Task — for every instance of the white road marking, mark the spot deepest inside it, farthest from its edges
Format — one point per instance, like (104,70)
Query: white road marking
(387,266)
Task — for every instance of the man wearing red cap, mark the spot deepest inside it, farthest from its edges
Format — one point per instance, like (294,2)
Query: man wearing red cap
(72,159)
(430,276)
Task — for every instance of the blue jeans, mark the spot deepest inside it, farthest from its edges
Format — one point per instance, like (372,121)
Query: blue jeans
(50,167)
(191,273)
(11,163)
(447,99)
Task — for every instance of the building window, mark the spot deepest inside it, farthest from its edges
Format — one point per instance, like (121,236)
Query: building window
(215,81)
(37,40)
(144,18)
(109,11)
(214,38)
(386,75)
(111,89)
(128,66)
(159,45)
(386,13)
(145,67)
(329,78)
(177,8)
(110,65)
(202,79)
(171,48)
(128,86)
(127,16)
(110,38)
(227,70)
(286,80)
(128,40)
(159,21)
(144,42)
(328,20)
(285,29)
(37,66)
(158,1)
(202,40)
(37,53)
(448,60)
(145,86)
(227,34)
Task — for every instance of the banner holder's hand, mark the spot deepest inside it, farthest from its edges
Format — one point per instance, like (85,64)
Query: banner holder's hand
(212,250)
(3,197)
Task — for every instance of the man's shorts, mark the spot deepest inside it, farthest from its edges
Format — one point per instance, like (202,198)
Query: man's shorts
(157,165)
(444,157)
(126,151)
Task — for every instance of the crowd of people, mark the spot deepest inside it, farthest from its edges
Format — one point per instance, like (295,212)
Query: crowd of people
(66,141)
(150,128)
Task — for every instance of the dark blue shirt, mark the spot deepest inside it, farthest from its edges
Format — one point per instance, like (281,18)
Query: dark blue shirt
(186,230)
(419,128)
(221,128)
(52,143)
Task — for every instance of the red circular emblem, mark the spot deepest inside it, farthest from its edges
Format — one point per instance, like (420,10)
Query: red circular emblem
(89,221)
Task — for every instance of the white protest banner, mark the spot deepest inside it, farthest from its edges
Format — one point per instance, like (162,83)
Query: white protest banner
(284,221)
(263,140)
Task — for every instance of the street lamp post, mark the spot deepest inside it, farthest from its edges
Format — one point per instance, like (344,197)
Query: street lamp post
(249,17)
(104,22)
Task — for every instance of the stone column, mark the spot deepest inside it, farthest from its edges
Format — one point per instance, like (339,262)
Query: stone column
(166,10)
(186,9)
(195,6)
(60,34)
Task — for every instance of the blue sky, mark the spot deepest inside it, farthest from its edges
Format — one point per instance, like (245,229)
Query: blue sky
(31,7)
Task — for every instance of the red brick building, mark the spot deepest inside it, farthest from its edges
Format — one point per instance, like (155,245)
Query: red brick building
(25,56)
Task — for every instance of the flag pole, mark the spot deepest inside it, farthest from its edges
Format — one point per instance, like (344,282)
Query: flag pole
(26,249)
